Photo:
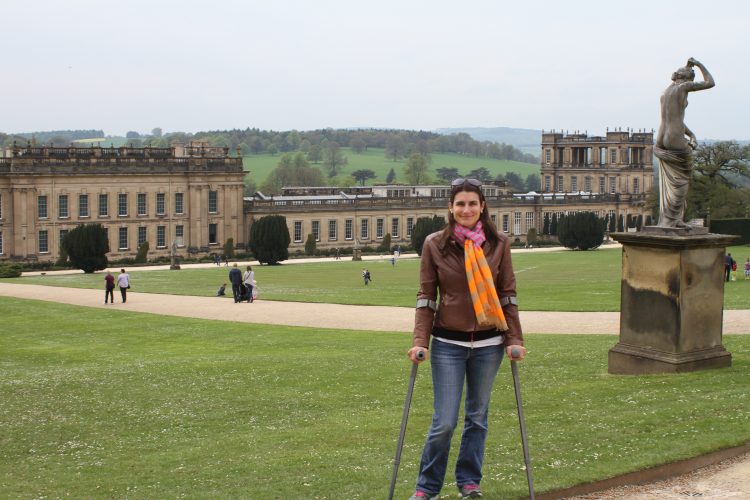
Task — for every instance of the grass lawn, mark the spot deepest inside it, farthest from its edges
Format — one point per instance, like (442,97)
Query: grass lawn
(117,404)
(547,281)
(373,159)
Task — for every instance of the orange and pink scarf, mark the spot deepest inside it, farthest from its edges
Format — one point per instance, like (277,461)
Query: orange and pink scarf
(479,277)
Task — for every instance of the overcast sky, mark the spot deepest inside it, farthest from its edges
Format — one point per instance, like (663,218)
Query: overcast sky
(281,64)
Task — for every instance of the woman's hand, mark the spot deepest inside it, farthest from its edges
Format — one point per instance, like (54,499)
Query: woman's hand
(520,350)
(413,354)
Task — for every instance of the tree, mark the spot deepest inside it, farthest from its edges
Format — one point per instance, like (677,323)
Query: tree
(310,245)
(229,248)
(333,159)
(87,247)
(531,237)
(272,149)
(533,182)
(514,181)
(385,245)
(719,183)
(395,148)
(362,176)
(141,257)
(132,134)
(481,174)
(424,227)
(447,174)
(156,132)
(545,227)
(553,225)
(269,239)
(391,177)
(583,231)
(358,144)
(293,169)
(620,224)
(416,169)
(315,154)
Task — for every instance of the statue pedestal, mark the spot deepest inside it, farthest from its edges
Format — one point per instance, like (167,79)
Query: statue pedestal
(356,254)
(672,302)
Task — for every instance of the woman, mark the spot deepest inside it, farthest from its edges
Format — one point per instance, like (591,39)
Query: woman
(675,143)
(248,279)
(109,288)
(468,264)
(123,281)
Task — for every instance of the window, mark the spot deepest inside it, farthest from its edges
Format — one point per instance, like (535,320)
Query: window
(122,204)
(379,228)
(602,156)
(213,203)
(123,238)
(613,156)
(364,229)
(297,231)
(332,230)
(547,156)
(409,226)
(493,218)
(1,207)
(587,184)
(613,185)
(1,243)
(43,241)
(83,205)
(349,229)
(517,223)
(141,236)
(62,206)
(529,221)
(159,203)
(574,183)
(179,234)
(179,203)
(161,236)
(506,223)
(316,230)
(602,188)
(560,187)
(41,205)
(636,186)
(63,233)
(141,202)
(103,205)
(394,227)
(213,234)
(547,183)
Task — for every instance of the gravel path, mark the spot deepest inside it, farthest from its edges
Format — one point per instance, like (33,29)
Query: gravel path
(728,479)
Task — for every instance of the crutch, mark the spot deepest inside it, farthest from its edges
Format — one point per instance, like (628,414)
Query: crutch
(514,353)
(404,418)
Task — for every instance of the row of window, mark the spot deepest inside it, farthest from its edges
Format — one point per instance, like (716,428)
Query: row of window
(63,205)
(364,229)
(583,155)
(587,184)
(123,235)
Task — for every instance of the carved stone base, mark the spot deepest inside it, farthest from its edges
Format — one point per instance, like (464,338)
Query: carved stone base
(633,360)
(672,301)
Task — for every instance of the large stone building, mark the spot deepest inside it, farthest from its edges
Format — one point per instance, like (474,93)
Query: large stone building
(193,195)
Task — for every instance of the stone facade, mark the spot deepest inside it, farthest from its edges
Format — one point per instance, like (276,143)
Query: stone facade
(196,192)
(138,194)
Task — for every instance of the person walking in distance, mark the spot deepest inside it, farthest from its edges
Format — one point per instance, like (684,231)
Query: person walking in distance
(123,281)
(468,266)
(235,277)
(109,288)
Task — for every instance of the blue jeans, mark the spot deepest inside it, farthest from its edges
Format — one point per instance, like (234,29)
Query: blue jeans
(451,365)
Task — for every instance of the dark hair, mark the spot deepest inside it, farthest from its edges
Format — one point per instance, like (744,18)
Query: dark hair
(471,186)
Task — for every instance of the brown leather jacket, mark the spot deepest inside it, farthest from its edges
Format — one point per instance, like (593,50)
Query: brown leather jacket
(442,269)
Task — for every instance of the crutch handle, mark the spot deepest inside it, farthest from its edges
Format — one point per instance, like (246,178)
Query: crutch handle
(515,352)
(420,355)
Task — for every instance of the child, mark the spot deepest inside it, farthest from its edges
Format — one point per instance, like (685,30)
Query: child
(747,269)
(221,292)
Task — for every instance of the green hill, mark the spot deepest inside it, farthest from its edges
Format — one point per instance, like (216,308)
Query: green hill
(260,165)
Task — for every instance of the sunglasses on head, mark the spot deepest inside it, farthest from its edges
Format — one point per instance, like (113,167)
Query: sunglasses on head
(461,181)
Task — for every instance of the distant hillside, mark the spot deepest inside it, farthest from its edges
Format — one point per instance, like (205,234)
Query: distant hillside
(527,140)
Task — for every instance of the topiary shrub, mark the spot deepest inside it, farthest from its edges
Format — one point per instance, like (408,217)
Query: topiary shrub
(87,247)
(10,270)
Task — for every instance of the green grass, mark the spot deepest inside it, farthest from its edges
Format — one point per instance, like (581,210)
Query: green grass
(373,159)
(104,404)
(547,281)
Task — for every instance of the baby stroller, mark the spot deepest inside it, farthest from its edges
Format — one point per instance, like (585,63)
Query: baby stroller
(245,295)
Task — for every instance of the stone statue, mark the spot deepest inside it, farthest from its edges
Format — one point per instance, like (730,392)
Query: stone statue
(675,143)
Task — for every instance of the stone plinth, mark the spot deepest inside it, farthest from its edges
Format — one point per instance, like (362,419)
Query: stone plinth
(672,302)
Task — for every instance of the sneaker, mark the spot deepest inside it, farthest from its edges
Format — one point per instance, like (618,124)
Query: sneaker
(421,495)
(470,491)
